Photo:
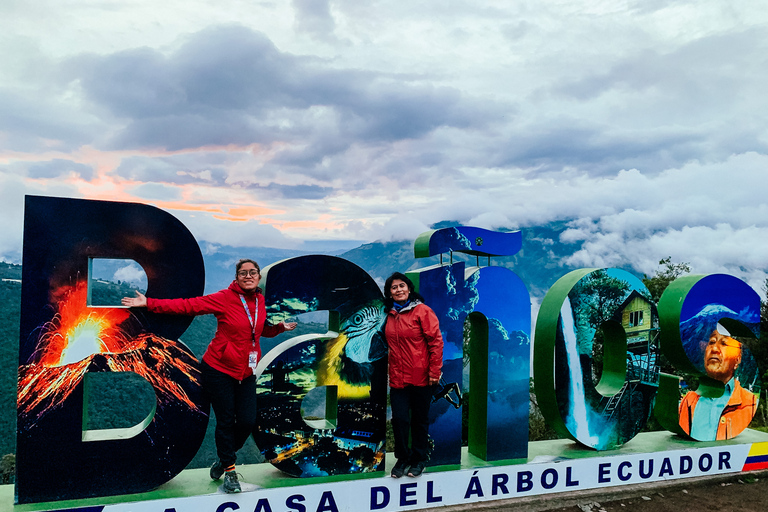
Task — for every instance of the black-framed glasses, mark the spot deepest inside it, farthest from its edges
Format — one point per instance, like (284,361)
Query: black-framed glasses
(245,273)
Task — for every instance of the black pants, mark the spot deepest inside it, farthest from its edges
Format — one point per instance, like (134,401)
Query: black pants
(410,415)
(234,403)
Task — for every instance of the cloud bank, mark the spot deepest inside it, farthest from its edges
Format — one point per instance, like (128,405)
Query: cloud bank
(641,124)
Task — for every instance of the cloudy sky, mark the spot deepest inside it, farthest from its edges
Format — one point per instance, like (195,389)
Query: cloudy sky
(280,122)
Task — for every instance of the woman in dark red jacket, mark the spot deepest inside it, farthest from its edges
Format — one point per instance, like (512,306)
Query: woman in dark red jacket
(230,359)
(415,363)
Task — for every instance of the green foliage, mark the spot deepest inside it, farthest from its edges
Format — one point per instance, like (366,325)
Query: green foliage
(105,293)
(117,400)
(8,469)
(759,349)
(598,296)
(664,275)
(538,430)
(390,445)
(10,308)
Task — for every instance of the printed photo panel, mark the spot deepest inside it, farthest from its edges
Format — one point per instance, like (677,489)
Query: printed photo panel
(707,324)
(499,365)
(468,240)
(445,413)
(341,429)
(485,319)
(62,340)
(596,357)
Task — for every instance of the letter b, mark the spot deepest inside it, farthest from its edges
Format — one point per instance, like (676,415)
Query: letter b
(62,339)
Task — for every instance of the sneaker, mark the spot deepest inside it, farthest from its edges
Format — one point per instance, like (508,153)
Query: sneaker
(231,484)
(417,469)
(217,470)
(400,468)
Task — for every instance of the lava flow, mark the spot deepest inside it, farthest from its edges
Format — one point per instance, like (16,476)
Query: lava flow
(69,344)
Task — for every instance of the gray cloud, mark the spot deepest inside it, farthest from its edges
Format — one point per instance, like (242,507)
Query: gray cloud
(250,233)
(208,168)
(599,149)
(179,170)
(692,73)
(225,85)
(59,167)
(314,17)
(35,123)
(656,107)
(298,191)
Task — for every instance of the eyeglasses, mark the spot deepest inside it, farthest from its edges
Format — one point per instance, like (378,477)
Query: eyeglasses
(245,273)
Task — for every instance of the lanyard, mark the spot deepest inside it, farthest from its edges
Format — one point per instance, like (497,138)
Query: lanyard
(250,318)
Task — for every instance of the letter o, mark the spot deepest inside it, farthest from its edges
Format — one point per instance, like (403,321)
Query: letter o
(706,457)
(544,475)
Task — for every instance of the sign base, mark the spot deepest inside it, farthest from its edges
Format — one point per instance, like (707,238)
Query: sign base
(558,466)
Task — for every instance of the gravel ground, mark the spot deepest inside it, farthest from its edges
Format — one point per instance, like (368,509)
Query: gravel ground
(749,493)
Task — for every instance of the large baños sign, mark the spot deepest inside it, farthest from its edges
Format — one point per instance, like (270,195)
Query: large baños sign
(63,342)
(322,397)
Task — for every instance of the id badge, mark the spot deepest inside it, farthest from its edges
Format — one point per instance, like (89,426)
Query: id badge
(253,360)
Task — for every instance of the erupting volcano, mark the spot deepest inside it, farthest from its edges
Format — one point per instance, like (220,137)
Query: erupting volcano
(80,339)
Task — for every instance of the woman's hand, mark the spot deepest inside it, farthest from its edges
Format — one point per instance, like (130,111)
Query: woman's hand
(289,326)
(140,301)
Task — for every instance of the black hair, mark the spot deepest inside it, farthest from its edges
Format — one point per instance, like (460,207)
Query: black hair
(243,262)
(412,293)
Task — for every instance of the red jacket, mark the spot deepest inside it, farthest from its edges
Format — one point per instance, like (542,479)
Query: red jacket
(415,345)
(229,348)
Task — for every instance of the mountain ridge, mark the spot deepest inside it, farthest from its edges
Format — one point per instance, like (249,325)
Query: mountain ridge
(539,265)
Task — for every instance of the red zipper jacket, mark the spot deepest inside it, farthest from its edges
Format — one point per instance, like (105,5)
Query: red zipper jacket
(415,345)
(229,349)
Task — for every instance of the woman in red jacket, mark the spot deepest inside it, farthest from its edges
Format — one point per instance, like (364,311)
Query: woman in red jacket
(230,359)
(415,363)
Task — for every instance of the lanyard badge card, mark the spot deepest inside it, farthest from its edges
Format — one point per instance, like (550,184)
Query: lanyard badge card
(253,355)
(253,360)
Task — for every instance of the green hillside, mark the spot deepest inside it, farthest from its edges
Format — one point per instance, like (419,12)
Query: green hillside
(10,299)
